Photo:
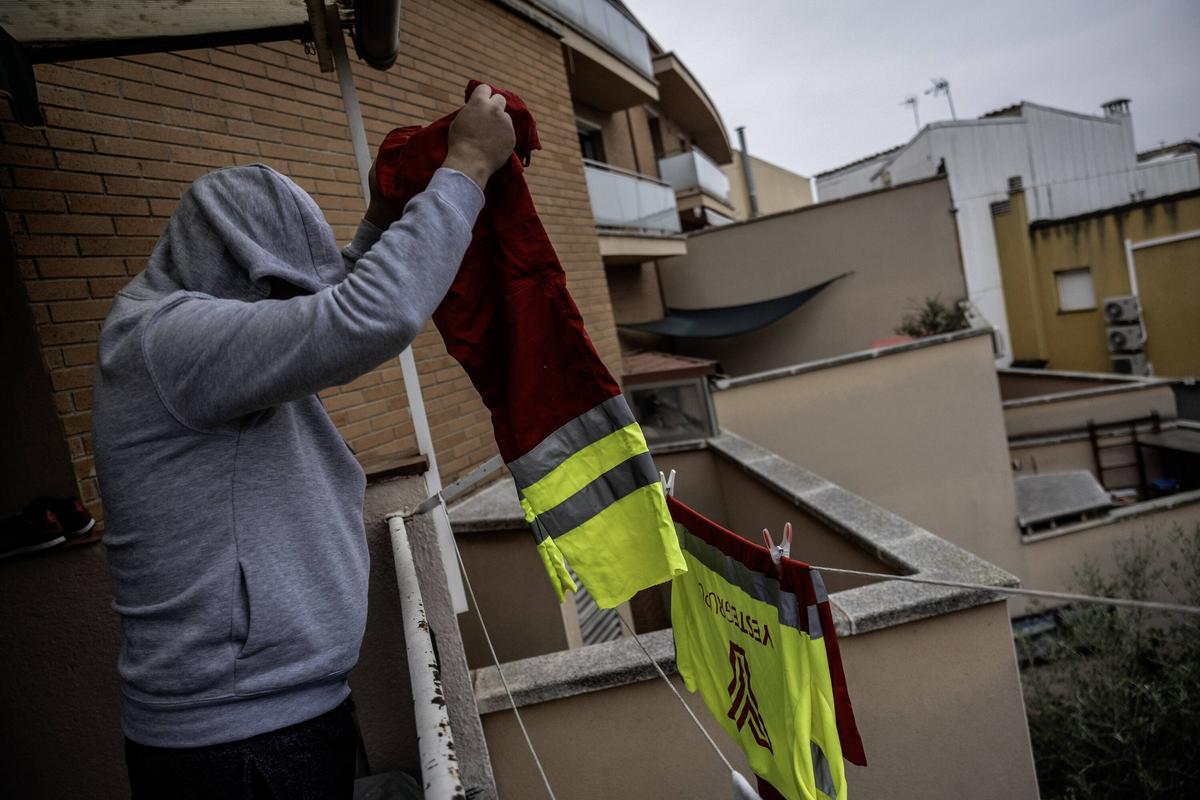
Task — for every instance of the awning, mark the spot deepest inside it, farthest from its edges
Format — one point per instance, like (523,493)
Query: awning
(716,323)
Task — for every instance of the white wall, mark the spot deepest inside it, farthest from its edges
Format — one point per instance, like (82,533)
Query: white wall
(1069,164)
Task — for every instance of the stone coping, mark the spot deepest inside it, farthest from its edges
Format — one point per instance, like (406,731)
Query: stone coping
(722,384)
(1083,394)
(905,547)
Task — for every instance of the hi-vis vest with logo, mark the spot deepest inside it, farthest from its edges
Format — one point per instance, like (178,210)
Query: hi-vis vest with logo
(759,645)
(590,492)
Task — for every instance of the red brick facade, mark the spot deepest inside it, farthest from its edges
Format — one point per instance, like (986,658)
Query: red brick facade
(87,198)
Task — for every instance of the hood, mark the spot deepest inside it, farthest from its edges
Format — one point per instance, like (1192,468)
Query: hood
(236,227)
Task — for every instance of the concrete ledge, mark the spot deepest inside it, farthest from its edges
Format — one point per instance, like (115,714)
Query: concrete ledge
(493,508)
(848,358)
(571,672)
(1079,394)
(910,549)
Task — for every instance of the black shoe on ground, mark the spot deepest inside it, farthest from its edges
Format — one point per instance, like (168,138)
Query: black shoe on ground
(74,518)
(26,532)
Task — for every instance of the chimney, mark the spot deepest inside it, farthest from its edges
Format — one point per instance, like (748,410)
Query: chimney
(1116,108)
(747,174)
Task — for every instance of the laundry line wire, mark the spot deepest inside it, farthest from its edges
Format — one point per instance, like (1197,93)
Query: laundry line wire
(1149,605)
(500,671)
(675,691)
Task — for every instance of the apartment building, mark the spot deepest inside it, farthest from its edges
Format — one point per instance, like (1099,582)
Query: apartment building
(1066,163)
(1114,289)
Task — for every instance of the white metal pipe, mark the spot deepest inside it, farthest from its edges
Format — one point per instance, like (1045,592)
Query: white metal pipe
(1178,237)
(408,364)
(435,741)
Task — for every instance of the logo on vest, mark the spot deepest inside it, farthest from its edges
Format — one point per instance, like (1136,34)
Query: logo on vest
(743,708)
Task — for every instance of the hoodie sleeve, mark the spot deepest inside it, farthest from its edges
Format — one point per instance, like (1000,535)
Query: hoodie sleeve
(215,360)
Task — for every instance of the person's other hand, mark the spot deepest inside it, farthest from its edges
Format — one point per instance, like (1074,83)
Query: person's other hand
(481,136)
(379,211)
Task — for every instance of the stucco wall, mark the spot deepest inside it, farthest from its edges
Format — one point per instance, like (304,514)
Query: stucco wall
(1168,282)
(919,432)
(776,189)
(900,246)
(1052,558)
(938,703)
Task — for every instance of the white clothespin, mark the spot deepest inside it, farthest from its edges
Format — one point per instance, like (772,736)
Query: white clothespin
(784,548)
(668,483)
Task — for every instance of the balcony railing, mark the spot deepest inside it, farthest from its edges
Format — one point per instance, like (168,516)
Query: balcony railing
(694,170)
(629,201)
(603,22)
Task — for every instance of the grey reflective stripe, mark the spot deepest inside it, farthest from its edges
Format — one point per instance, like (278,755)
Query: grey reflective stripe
(623,479)
(588,428)
(819,586)
(539,531)
(763,588)
(814,623)
(821,773)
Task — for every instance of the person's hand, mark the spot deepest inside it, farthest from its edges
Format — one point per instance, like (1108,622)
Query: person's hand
(379,211)
(481,136)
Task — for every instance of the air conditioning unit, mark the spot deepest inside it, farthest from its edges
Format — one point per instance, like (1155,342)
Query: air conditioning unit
(1122,338)
(1131,364)
(1124,308)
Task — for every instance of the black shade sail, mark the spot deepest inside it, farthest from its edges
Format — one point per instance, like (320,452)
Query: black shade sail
(716,323)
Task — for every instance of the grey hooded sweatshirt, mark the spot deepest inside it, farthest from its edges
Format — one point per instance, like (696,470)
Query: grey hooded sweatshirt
(233,507)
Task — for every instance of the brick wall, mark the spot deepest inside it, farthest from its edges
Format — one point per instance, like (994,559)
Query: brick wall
(87,198)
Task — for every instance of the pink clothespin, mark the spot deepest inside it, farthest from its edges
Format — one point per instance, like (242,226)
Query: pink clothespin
(784,548)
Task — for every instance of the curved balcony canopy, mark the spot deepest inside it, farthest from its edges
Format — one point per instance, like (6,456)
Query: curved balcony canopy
(684,100)
(717,323)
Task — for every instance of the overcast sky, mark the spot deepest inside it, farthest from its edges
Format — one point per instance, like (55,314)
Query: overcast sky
(818,83)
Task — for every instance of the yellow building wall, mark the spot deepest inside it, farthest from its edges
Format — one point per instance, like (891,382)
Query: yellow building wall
(1168,278)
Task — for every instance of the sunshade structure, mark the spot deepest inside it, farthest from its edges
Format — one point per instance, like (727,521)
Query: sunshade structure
(717,323)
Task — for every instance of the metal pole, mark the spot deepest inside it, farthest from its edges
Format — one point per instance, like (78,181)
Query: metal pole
(747,174)
(435,741)
(408,364)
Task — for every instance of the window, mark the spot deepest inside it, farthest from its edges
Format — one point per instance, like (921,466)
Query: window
(591,142)
(656,137)
(1075,290)
(673,412)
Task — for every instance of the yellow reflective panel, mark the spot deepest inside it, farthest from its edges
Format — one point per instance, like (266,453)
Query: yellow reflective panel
(625,548)
(585,466)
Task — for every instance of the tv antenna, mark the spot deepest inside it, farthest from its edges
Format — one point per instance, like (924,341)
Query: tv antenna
(942,86)
(910,100)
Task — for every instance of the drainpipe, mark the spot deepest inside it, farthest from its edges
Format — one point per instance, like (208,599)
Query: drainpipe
(435,742)
(747,174)
(408,365)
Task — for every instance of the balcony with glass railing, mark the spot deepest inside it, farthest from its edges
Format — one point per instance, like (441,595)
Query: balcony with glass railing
(624,201)
(609,64)
(693,171)
(604,22)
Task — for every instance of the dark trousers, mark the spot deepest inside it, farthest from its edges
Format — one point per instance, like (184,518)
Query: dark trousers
(312,760)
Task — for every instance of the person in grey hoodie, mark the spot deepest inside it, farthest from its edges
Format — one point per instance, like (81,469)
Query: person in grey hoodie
(233,507)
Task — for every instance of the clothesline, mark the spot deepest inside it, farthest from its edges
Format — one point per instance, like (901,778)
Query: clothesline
(1149,605)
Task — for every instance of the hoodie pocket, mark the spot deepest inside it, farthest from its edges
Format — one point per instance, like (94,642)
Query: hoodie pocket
(239,625)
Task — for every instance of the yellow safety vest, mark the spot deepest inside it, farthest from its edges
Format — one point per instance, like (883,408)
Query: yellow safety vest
(758,643)
(591,493)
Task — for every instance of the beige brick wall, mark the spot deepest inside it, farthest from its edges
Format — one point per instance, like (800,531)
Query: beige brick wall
(87,198)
